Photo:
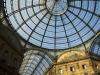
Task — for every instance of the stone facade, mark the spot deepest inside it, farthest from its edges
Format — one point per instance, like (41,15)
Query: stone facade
(76,63)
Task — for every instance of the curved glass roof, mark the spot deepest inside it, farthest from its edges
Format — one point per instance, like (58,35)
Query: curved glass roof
(35,63)
(95,49)
(54,24)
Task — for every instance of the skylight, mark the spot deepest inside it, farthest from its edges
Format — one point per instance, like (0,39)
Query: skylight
(54,24)
(95,49)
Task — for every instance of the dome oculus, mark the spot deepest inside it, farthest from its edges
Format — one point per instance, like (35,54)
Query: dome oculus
(57,7)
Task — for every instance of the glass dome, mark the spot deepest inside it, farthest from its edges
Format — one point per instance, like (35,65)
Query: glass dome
(95,49)
(35,63)
(54,24)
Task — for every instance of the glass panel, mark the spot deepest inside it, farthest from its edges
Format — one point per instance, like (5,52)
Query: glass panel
(43,22)
(36,63)
(95,49)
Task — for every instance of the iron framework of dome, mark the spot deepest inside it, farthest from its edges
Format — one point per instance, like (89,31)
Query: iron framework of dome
(35,63)
(54,24)
(95,48)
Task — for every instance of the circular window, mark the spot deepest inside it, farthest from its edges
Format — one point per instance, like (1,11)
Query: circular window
(57,7)
(54,24)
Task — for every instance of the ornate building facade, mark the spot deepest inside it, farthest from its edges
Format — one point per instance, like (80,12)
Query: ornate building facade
(76,63)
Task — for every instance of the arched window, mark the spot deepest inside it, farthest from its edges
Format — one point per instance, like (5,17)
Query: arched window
(35,63)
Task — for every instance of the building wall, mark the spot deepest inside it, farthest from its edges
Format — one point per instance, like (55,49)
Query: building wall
(84,66)
(96,65)
(10,52)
